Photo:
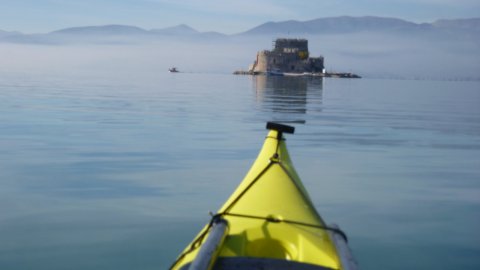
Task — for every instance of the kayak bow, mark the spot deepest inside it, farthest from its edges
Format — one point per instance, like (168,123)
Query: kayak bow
(269,222)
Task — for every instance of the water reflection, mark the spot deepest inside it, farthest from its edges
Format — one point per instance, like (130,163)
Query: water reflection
(288,98)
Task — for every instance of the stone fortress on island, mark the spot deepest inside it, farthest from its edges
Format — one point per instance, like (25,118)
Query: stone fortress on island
(290,57)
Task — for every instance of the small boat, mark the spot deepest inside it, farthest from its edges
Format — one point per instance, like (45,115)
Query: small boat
(269,222)
(173,69)
(296,74)
(274,72)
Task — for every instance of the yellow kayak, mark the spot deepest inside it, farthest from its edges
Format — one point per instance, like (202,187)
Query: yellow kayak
(269,222)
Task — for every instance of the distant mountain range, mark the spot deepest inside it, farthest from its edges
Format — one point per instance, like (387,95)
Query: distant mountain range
(101,30)
(334,25)
(119,30)
(108,34)
(346,24)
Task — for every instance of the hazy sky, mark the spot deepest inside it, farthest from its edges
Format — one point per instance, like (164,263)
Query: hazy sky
(226,16)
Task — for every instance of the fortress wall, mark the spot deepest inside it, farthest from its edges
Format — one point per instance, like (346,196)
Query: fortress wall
(288,62)
(316,64)
(262,61)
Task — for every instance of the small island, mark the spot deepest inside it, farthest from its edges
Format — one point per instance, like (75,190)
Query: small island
(290,57)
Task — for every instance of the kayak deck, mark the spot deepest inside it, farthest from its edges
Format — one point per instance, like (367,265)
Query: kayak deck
(269,222)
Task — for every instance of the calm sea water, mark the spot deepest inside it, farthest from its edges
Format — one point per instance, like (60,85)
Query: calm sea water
(119,170)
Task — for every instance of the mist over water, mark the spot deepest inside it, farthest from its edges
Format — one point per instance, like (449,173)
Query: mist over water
(369,54)
(108,161)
